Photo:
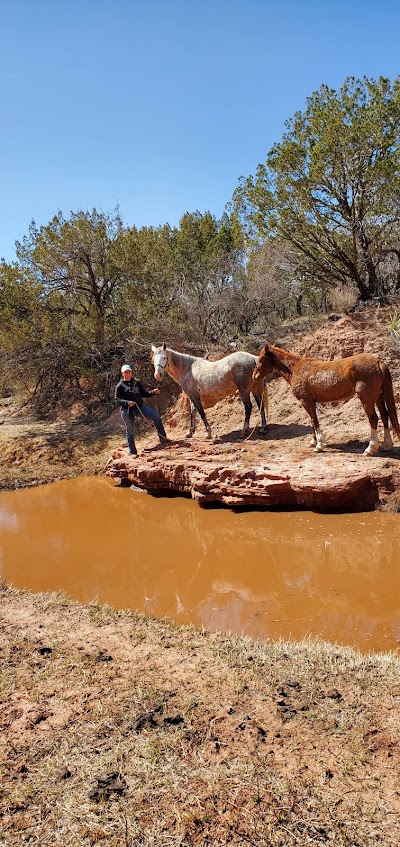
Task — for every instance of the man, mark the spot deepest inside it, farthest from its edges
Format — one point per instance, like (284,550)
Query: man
(129,394)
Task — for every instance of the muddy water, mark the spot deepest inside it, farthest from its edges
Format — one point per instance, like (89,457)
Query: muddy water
(259,573)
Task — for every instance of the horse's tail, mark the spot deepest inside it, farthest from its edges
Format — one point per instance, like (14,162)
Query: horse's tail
(264,399)
(389,399)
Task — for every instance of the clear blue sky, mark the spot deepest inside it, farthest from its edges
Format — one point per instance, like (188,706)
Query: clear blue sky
(160,107)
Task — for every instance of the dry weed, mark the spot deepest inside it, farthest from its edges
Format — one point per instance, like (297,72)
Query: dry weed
(123,731)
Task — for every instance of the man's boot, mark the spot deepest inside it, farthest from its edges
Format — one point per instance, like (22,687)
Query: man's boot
(131,445)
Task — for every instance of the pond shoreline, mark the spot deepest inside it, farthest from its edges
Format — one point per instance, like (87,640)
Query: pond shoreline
(108,715)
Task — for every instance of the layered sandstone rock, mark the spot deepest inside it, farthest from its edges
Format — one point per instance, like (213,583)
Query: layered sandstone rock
(238,476)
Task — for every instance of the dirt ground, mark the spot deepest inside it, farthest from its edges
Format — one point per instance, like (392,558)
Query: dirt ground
(121,730)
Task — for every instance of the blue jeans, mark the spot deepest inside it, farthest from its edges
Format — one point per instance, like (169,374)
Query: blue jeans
(129,421)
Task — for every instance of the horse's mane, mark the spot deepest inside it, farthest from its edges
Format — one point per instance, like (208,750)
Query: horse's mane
(179,357)
(278,355)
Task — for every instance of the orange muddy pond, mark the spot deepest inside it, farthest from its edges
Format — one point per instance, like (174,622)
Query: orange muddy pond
(264,574)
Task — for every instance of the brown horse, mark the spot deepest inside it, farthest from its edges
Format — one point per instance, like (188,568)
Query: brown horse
(313,381)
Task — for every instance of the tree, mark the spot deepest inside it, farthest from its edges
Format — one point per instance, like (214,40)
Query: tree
(21,317)
(148,294)
(331,188)
(272,280)
(79,258)
(208,262)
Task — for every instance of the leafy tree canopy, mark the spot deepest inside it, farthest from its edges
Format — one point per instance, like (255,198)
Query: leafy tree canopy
(331,187)
(78,257)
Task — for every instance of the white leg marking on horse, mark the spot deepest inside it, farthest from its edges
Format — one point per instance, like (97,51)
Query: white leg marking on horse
(313,442)
(320,442)
(373,445)
(387,442)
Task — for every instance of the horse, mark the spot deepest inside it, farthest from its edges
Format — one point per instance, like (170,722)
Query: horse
(313,381)
(206,382)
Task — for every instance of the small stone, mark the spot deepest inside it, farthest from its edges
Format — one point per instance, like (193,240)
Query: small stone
(292,683)
(334,694)
(174,720)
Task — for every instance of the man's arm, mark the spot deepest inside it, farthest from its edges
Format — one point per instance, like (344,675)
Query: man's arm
(119,396)
(144,392)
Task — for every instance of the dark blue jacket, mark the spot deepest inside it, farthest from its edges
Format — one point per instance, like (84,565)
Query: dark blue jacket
(132,390)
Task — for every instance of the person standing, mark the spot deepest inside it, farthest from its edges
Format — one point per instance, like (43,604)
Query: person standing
(129,395)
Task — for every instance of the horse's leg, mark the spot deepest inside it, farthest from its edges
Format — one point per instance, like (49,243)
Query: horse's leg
(317,440)
(260,404)
(369,409)
(192,419)
(197,403)
(387,443)
(248,407)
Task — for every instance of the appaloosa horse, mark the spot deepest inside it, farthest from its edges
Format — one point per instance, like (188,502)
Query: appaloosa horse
(313,381)
(206,382)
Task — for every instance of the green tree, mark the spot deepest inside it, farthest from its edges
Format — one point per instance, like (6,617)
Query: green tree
(147,296)
(331,188)
(21,316)
(208,269)
(80,258)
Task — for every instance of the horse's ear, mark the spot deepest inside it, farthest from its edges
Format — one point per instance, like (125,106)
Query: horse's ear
(153,348)
(164,346)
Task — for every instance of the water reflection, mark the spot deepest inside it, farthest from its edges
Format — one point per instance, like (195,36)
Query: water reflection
(264,574)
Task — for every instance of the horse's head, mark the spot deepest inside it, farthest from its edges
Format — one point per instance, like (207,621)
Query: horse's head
(264,363)
(159,358)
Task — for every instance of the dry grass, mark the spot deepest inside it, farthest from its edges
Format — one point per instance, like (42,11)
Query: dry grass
(121,730)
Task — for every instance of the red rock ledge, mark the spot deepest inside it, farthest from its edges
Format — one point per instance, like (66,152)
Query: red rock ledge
(247,476)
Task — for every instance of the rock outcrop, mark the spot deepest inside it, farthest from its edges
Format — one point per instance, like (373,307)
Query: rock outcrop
(238,476)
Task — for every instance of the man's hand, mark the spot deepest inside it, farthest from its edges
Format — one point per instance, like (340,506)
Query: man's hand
(131,402)
(156,390)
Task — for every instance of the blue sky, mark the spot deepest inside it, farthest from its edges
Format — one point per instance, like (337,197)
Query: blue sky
(160,107)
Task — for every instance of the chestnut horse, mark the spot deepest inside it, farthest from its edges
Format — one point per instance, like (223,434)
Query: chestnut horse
(313,381)
(206,382)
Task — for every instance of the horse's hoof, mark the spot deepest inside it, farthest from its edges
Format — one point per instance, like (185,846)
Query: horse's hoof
(209,435)
(313,442)
(263,430)
(386,446)
(244,433)
(319,448)
(370,451)
(188,434)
